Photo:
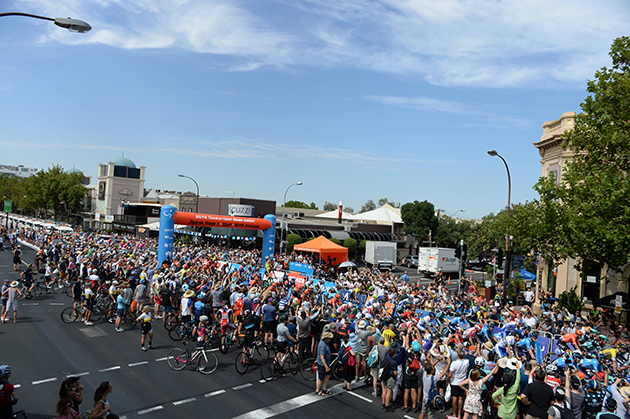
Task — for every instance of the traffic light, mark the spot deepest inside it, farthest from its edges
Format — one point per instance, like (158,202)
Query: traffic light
(500,258)
(465,251)
(458,251)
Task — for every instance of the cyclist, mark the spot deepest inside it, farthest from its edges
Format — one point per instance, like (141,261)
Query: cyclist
(8,398)
(29,281)
(572,338)
(120,310)
(88,302)
(248,326)
(225,316)
(145,327)
(202,330)
(284,336)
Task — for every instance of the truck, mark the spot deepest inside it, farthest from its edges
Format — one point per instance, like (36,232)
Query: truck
(432,260)
(380,254)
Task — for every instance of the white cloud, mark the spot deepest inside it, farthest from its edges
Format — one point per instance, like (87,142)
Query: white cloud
(509,43)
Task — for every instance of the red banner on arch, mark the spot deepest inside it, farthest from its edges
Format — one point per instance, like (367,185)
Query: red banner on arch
(227,221)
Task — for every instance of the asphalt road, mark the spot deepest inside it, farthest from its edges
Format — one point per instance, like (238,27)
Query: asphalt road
(42,351)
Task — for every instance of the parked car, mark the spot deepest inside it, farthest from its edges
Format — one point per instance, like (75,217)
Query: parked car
(410,261)
(477,265)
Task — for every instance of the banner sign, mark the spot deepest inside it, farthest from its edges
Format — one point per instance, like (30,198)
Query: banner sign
(302,268)
(241,210)
(8,205)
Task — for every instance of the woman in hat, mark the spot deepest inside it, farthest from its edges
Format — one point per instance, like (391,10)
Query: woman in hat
(11,294)
(506,396)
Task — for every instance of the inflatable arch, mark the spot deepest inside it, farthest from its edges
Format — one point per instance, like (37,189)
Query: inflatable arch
(169,216)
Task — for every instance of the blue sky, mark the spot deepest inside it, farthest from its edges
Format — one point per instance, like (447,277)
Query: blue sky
(357,99)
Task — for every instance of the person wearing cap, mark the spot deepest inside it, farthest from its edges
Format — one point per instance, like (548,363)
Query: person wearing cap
(595,395)
(8,397)
(186,305)
(145,327)
(72,390)
(363,350)
(270,316)
(324,357)
(11,294)
(611,410)
(574,393)
(506,395)
(5,286)
(558,410)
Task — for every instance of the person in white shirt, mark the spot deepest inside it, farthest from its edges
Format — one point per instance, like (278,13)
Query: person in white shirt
(458,372)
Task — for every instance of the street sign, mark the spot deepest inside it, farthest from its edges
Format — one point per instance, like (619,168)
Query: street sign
(8,205)
(517,261)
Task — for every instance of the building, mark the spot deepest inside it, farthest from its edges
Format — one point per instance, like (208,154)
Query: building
(554,157)
(119,182)
(19,170)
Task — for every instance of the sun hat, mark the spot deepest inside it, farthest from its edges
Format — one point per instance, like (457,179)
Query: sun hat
(14,284)
(189,293)
(361,324)
(327,335)
(502,363)
(514,364)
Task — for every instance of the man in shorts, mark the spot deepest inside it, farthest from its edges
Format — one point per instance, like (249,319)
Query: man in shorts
(324,357)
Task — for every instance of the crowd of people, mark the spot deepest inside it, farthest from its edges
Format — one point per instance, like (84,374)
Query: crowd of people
(418,347)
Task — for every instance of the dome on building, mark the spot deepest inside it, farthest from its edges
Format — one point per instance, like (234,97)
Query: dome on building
(123,161)
(74,170)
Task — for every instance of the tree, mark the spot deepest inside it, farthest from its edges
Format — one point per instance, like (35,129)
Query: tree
(300,204)
(591,199)
(419,218)
(336,241)
(329,206)
(351,245)
(368,206)
(451,231)
(384,201)
(349,210)
(292,240)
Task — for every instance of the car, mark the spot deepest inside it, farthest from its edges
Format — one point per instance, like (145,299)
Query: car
(410,261)
(476,265)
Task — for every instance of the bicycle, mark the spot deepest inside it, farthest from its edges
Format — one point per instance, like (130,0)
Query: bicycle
(182,330)
(249,356)
(204,361)
(309,368)
(71,314)
(273,367)
(20,412)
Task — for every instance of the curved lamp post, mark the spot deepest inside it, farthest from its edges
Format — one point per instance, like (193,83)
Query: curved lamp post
(508,257)
(197,185)
(73,25)
(284,205)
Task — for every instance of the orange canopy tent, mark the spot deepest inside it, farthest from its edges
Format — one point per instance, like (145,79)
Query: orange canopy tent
(325,248)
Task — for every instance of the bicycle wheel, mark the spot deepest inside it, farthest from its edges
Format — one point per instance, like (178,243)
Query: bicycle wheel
(171,321)
(38,293)
(337,371)
(293,363)
(308,369)
(269,369)
(176,334)
(241,363)
(58,288)
(67,290)
(207,362)
(68,315)
(129,321)
(177,359)
(225,343)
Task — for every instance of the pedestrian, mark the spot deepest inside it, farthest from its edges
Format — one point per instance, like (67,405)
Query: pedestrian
(120,310)
(139,296)
(17,258)
(101,404)
(473,406)
(65,410)
(11,294)
(538,396)
(506,395)
(324,358)
(72,391)
(458,371)
(5,286)
(145,327)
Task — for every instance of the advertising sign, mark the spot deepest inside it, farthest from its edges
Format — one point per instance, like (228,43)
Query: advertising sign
(8,205)
(239,210)
(301,268)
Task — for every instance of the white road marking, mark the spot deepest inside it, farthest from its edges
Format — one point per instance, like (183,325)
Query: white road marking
(262,381)
(192,399)
(361,397)
(287,405)
(17,386)
(77,375)
(161,359)
(213,350)
(117,367)
(135,364)
(409,417)
(214,393)
(57,304)
(30,304)
(47,380)
(242,386)
(153,409)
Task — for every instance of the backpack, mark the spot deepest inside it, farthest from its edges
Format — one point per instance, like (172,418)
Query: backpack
(435,400)
(372,360)
(342,355)
(565,413)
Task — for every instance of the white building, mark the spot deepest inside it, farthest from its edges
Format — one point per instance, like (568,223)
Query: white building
(119,181)
(19,171)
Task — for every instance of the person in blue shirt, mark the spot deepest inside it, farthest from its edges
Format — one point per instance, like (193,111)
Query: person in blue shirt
(324,357)
(120,309)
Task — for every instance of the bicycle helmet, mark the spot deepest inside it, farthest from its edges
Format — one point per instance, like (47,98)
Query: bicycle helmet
(551,369)
(517,335)
(533,335)
(480,362)
(415,346)
(593,385)
(247,313)
(203,318)
(4,370)
(579,333)
(611,404)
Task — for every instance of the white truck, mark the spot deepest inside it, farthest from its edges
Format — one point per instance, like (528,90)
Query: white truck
(380,254)
(432,260)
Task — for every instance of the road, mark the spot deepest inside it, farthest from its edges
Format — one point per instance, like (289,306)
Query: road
(42,351)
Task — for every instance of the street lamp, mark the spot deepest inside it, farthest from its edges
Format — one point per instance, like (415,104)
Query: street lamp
(197,185)
(508,256)
(73,25)
(282,241)
(451,216)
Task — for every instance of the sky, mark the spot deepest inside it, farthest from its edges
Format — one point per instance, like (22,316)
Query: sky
(357,99)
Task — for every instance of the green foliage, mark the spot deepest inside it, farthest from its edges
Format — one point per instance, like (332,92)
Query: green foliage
(589,204)
(350,244)
(292,240)
(368,206)
(419,218)
(362,245)
(336,241)
(451,231)
(570,300)
(300,204)
(329,206)
(516,285)
(384,201)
